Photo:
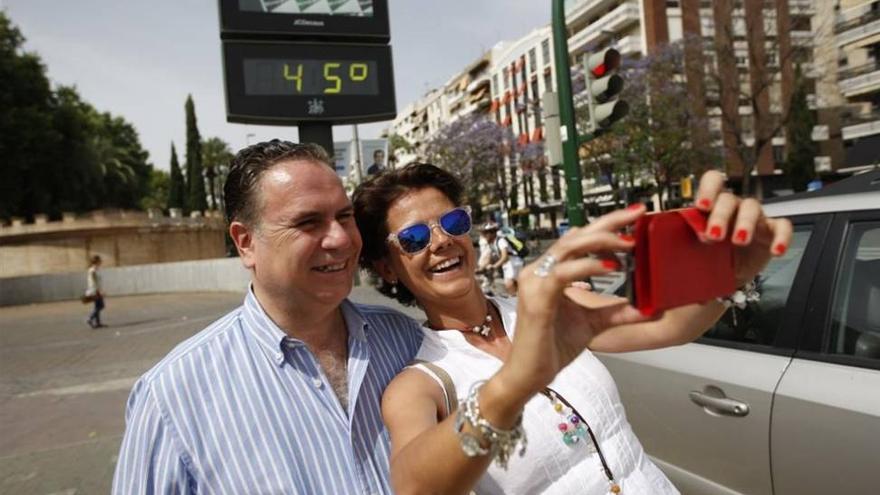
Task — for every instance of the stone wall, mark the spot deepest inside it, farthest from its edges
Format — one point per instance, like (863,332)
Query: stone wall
(221,275)
(120,238)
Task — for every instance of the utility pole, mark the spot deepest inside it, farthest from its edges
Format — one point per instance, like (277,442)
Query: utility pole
(574,197)
(357,154)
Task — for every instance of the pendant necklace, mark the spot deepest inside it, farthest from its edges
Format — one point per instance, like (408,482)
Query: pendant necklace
(485,328)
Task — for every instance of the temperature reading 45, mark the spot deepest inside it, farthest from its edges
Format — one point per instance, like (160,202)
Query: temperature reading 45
(357,72)
(310,77)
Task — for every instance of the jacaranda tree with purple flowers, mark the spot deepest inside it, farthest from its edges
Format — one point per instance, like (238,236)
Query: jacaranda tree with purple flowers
(473,148)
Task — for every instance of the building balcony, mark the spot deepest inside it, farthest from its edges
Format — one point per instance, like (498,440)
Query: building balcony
(629,45)
(583,10)
(802,38)
(859,80)
(800,7)
(860,125)
(858,23)
(615,21)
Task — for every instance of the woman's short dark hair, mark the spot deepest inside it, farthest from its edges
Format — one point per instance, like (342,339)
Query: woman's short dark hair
(249,164)
(372,200)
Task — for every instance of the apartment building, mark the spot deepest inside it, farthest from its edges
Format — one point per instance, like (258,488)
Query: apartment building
(857,39)
(465,93)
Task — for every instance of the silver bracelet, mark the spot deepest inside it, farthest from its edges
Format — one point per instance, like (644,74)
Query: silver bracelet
(746,294)
(502,443)
(742,297)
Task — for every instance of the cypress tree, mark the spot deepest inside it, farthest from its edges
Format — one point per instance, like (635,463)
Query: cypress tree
(177,188)
(195,181)
(800,164)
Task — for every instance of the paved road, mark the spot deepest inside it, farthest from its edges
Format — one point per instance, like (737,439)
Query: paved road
(63,386)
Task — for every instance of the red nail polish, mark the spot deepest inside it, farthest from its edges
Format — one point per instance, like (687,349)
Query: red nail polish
(780,249)
(610,264)
(635,206)
(715,232)
(626,238)
(705,203)
(742,235)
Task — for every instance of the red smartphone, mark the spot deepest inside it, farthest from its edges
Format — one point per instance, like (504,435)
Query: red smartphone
(672,266)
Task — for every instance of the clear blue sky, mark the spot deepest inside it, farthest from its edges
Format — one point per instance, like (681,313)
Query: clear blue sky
(139,59)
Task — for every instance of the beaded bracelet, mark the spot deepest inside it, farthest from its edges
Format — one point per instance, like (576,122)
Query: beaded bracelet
(502,443)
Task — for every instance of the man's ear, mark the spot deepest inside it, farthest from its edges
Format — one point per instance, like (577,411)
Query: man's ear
(383,268)
(243,237)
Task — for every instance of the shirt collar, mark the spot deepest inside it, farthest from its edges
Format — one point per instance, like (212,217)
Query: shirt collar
(273,339)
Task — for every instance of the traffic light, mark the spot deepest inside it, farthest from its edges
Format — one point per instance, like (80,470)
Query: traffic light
(603,86)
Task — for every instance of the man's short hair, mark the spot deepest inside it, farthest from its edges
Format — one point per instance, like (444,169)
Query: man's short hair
(249,164)
(378,152)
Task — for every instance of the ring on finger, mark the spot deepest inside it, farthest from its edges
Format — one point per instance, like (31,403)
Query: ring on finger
(546,266)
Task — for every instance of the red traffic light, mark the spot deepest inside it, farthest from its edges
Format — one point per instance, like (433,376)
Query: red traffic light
(601,63)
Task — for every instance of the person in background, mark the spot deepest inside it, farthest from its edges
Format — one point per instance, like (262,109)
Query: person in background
(493,371)
(94,292)
(508,260)
(489,255)
(378,163)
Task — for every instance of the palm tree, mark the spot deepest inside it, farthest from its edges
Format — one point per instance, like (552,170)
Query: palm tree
(216,155)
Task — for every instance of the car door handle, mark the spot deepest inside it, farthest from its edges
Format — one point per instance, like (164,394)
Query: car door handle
(720,405)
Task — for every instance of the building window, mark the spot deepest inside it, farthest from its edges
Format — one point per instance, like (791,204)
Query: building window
(545,51)
(533,63)
(800,23)
(548,81)
(779,154)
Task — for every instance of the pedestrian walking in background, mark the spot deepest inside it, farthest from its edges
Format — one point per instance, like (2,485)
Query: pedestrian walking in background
(94,292)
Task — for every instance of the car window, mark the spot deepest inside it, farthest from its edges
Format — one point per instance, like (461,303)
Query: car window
(855,317)
(759,321)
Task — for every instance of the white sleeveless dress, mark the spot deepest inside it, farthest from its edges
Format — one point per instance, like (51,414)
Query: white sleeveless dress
(549,465)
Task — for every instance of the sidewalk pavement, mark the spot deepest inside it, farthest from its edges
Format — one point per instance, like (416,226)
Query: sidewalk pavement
(63,385)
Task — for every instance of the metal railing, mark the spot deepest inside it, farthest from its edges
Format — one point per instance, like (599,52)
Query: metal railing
(850,119)
(858,70)
(870,15)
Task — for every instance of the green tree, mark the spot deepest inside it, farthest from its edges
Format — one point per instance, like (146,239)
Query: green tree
(122,162)
(473,149)
(158,187)
(59,153)
(195,179)
(800,163)
(26,129)
(397,143)
(176,186)
(216,156)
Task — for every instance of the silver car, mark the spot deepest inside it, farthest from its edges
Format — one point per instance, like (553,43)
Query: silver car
(785,397)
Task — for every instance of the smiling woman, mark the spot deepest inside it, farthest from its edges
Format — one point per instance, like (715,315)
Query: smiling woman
(492,371)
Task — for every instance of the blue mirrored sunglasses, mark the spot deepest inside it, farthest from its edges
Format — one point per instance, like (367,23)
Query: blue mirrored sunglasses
(416,237)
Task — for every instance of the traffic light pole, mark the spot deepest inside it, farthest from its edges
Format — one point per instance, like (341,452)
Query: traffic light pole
(574,190)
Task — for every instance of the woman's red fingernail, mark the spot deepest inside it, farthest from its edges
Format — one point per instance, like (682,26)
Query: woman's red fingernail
(742,235)
(705,203)
(715,232)
(626,238)
(610,264)
(635,206)
(780,249)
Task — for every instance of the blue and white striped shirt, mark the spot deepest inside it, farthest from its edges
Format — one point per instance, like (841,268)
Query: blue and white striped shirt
(242,408)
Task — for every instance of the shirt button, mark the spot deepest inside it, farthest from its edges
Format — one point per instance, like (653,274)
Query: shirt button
(317,382)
